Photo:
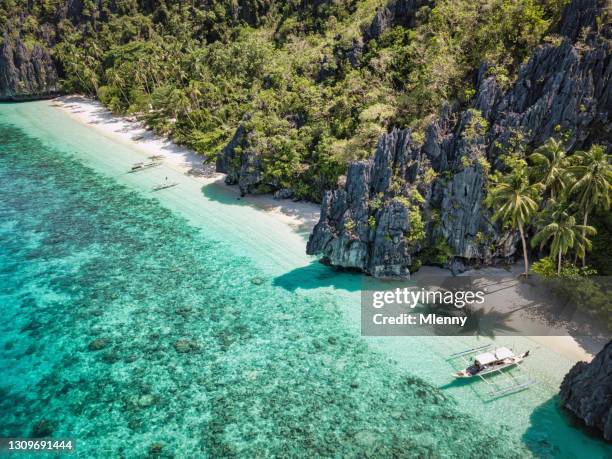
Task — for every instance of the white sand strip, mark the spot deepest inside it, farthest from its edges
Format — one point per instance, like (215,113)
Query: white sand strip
(301,215)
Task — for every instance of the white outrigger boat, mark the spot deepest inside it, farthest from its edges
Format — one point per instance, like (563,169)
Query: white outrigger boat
(163,185)
(490,361)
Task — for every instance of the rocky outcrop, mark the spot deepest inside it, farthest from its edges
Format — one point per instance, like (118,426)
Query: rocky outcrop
(26,72)
(395,13)
(587,391)
(367,224)
(241,163)
(562,88)
(356,229)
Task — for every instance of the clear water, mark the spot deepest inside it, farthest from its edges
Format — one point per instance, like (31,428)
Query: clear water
(186,324)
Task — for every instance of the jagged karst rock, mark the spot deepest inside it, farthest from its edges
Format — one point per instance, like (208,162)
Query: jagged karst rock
(241,162)
(580,15)
(395,13)
(356,230)
(26,72)
(563,87)
(587,391)
(376,205)
(560,89)
(354,53)
(283,193)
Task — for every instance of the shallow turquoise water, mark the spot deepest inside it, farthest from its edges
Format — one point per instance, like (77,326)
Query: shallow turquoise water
(140,332)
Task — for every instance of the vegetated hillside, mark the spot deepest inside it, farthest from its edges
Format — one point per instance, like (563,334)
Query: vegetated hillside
(313,84)
(453,95)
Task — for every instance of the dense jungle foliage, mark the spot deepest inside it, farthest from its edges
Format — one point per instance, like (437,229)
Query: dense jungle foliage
(316,95)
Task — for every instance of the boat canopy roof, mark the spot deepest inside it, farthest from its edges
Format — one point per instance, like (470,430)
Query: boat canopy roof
(503,353)
(486,358)
(489,357)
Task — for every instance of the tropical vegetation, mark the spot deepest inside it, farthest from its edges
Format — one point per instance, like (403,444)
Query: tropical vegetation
(551,196)
(298,74)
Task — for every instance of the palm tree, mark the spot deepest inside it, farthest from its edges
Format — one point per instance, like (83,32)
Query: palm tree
(565,235)
(551,167)
(593,174)
(181,104)
(194,92)
(516,203)
(115,79)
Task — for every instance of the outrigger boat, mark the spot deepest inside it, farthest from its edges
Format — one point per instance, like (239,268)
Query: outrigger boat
(163,185)
(141,166)
(489,361)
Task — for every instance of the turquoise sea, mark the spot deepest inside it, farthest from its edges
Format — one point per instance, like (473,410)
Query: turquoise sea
(186,324)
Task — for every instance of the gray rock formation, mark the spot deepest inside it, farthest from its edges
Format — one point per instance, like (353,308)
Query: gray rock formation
(284,193)
(395,13)
(26,72)
(366,225)
(587,391)
(562,88)
(241,163)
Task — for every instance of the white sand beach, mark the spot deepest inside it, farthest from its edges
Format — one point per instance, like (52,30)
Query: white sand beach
(300,215)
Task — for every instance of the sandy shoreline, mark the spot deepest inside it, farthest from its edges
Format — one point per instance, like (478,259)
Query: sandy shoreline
(301,215)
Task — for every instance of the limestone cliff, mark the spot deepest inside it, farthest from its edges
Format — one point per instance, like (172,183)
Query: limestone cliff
(563,87)
(241,162)
(26,72)
(587,391)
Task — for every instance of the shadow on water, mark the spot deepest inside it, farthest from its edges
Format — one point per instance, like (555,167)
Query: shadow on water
(317,275)
(457,383)
(553,431)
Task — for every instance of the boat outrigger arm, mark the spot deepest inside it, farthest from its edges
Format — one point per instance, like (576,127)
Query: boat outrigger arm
(490,361)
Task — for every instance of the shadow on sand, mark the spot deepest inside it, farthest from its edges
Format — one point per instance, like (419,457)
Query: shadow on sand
(307,213)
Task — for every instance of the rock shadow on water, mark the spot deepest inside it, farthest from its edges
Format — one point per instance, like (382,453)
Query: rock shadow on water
(316,275)
(552,430)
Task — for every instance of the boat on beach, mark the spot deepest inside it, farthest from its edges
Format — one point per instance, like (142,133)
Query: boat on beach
(142,165)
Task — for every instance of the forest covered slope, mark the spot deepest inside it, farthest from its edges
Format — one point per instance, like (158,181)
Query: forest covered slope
(312,84)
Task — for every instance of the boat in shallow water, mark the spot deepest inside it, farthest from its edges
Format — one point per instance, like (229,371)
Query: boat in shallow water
(164,185)
(492,361)
(489,362)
